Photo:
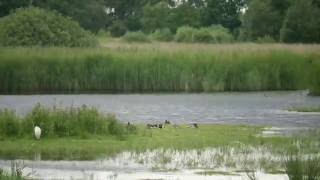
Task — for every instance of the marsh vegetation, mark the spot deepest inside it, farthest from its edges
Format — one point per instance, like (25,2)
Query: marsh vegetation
(159,68)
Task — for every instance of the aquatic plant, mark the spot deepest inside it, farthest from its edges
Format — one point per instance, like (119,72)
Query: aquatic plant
(15,173)
(70,122)
(168,68)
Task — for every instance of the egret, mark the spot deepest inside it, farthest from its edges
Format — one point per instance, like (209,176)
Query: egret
(37,132)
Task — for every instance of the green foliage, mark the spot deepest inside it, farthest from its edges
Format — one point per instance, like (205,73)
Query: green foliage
(265,39)
(9,124)
(90,16)
(164,35)
(155,16)
(136,37)
(103,33)
(76,122)
(299,168)
(213,34)
(6,6)
(185,14)
(117,29)
(261,20)
(315,71)
(226,13)
(185,34)
(194,68)
(294,168)
(11,176)
(301,23)
(221,34)
(203,35)
(37,27)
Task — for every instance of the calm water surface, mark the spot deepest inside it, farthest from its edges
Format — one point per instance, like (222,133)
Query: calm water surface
(256,108)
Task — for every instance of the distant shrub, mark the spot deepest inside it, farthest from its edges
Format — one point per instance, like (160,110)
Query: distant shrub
(203,35)
(221,34)
(213,34)
(117,29)
(265,39)
(162,35)
(38,27)
(136,37)
(103,33)
(185,34)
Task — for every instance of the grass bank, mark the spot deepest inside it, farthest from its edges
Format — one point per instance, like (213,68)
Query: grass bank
(83,133)
(305,109)
(54,123)
(159,67)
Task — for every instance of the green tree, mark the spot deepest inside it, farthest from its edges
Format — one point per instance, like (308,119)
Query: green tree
(118,28)
(261,20)
(33,26)
(185,14)
(224,12)
(302,23)
(155,16)
(8,5)
(91,15)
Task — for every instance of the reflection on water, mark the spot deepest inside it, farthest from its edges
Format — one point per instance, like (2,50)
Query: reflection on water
(159,164)
(256,108)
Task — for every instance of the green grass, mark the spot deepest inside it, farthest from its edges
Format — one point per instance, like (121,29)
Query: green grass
(15,173)
(84,133)
(211,173)
(70,122)
(93,147)
(305,109)
(159,67)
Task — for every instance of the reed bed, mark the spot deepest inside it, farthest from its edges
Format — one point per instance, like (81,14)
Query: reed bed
(160,67)
(81,122)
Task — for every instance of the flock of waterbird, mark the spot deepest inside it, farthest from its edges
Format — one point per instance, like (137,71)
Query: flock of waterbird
(37,129)
(160,126)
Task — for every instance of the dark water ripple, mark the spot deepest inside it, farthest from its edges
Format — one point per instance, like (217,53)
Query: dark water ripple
(256,108)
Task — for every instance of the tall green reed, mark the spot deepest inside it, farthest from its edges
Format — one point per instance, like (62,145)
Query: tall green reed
(54,70)
(80,122)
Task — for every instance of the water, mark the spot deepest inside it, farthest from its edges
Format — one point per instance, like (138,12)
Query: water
(148,165)
(256,108)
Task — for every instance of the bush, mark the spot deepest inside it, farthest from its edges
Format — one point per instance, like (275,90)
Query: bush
(164,35)
(221,34)
(117,29)
(265,39)
(213,34)
(136,37)
(185,34)
(301,23)
(203,35)
(103,33)
(9,124)
(38,27)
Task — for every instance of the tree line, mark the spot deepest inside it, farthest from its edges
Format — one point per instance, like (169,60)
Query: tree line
(288,21)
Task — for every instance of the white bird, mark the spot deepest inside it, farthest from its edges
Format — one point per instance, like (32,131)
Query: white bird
(37,132)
